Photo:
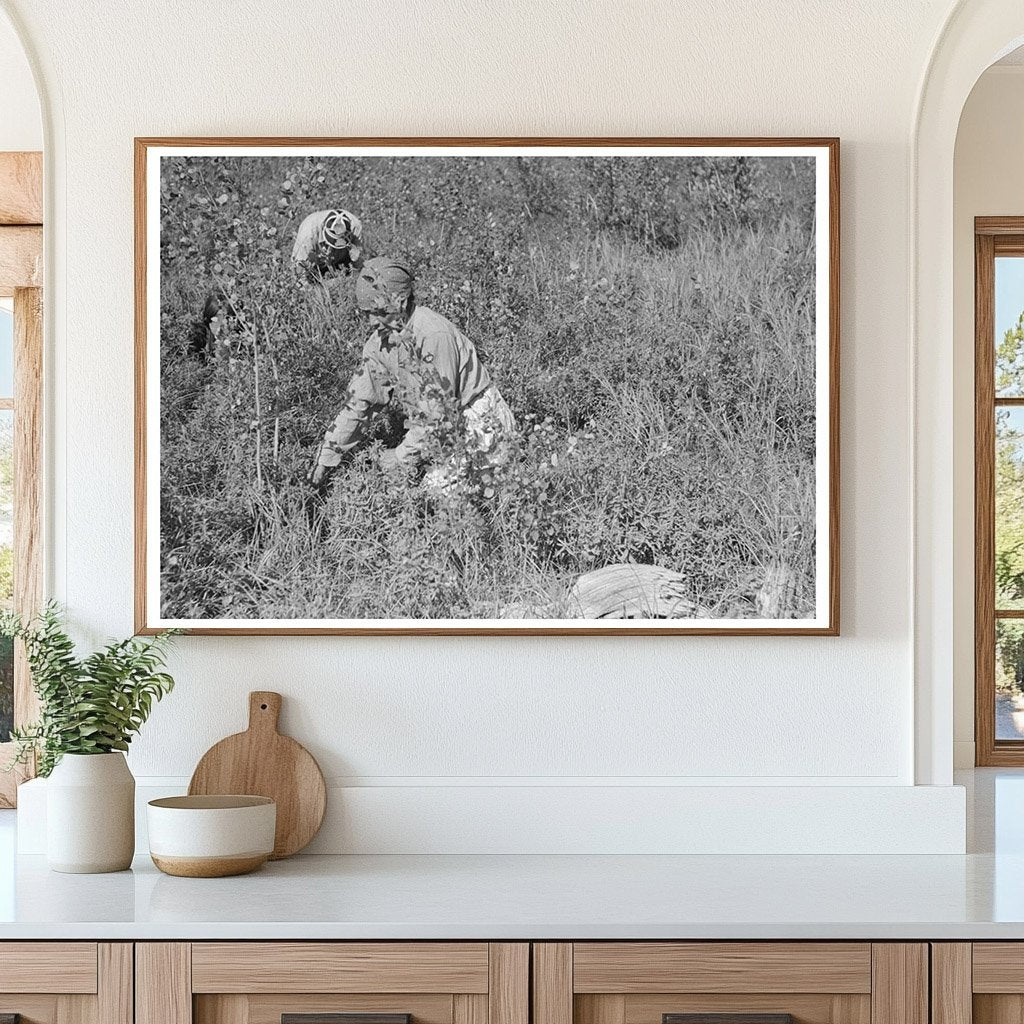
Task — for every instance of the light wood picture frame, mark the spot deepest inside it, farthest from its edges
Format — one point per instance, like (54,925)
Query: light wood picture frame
(652,326)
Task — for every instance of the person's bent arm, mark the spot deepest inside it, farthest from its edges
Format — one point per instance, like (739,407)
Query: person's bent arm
(411,451)
(365,397)
(346,432)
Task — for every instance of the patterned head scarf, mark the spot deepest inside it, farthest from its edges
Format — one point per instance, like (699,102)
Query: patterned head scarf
(342,230)
(384,285)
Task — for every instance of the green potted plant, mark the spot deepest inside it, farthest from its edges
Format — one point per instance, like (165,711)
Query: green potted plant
(90,708)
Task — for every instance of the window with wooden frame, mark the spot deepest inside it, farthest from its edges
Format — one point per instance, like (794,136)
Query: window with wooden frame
(21,364)
(999,490)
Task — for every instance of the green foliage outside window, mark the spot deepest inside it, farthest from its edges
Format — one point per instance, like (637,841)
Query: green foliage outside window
(1009,510)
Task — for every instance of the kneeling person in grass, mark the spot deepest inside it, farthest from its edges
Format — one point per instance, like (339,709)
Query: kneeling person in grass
(328,242)
(423,361)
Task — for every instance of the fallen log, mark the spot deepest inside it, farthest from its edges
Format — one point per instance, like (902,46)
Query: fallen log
(626,591)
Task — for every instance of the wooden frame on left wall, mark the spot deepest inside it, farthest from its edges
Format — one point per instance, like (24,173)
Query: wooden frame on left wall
(21,279)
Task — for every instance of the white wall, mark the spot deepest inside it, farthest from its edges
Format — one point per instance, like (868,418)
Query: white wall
(987,181)
(21,127)
(464,711)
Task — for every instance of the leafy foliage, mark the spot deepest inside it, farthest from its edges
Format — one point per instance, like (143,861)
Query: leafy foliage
(1009,510)
(6,688)
(90,705)
(1010,359)
(6,569)
(650,321)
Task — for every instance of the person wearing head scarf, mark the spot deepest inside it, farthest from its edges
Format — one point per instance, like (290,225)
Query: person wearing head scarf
(422,361)
(328,241)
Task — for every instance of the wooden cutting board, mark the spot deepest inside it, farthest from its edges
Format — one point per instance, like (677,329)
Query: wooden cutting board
(262,762)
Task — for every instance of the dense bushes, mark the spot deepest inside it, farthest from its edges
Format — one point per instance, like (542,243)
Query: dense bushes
(650,322)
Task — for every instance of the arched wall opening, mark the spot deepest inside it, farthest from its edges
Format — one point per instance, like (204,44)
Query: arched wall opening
(989,153)
(976,35)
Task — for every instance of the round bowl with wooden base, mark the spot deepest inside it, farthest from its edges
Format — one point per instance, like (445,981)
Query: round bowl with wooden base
(211,836)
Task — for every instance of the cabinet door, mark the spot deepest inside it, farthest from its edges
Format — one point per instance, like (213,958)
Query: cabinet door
(65,983)
(980,982)
(730,983)
(332,983)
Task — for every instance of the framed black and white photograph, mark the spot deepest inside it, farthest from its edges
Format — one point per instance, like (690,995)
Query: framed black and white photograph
(487,385)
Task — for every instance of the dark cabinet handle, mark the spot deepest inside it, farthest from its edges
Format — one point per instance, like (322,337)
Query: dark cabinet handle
(338,1018)
(727,1018)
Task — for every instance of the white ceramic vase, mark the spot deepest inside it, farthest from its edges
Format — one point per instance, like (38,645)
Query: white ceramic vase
(90,814)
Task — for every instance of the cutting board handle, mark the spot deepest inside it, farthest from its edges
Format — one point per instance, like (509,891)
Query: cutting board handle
(264,710)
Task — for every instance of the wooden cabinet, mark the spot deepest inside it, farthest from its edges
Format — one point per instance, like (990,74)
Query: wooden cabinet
(978,983)
(756,982)
(494,983)
(264,982)
(66,982)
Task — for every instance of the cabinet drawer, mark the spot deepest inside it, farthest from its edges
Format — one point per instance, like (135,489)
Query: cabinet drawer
(642,982)
(64,967)
(340,967)
(332,983)
(750,967)
(66,982)
(730,983)
(998,967)
(981,982)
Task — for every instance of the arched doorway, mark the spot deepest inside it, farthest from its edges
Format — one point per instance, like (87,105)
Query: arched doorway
(976,34)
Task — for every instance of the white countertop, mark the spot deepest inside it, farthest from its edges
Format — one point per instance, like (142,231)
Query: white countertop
(977,896)
(496,897)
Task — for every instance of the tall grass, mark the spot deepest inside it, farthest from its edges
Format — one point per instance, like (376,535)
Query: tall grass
(650,322)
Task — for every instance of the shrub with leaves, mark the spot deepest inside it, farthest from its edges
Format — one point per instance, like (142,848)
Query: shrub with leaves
(90,705)
(650,322)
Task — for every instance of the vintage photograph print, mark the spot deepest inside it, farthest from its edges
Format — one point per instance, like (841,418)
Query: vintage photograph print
(495,386)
